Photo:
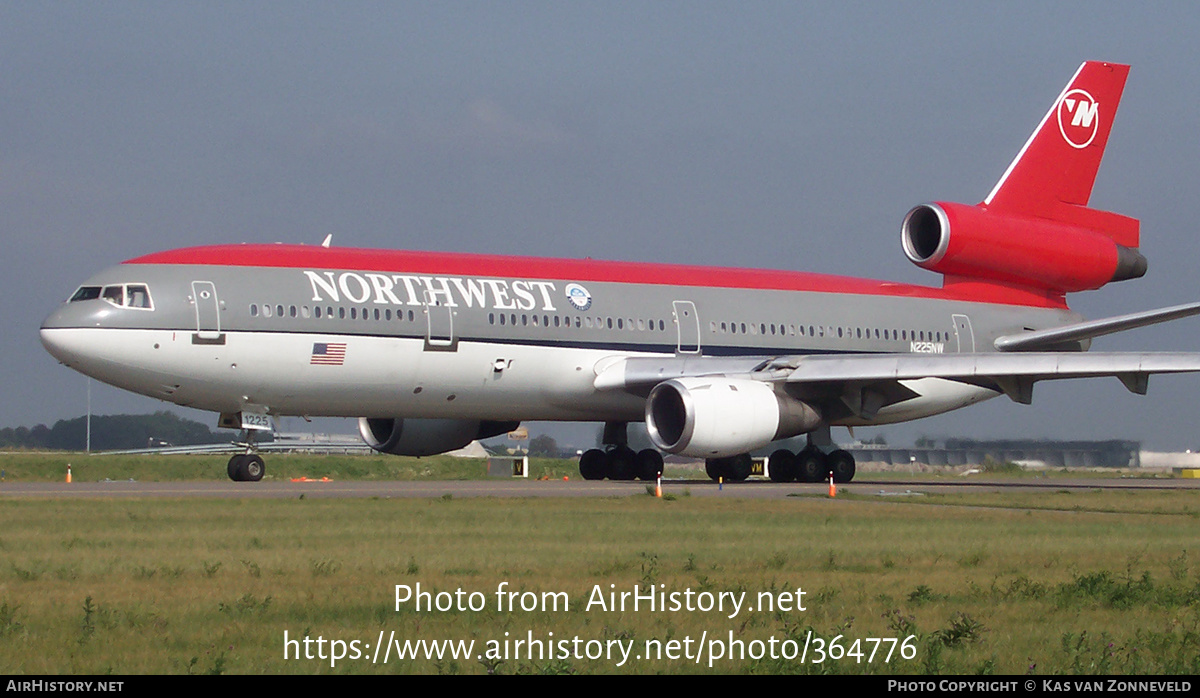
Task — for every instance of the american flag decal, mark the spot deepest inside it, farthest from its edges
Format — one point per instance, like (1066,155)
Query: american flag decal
(328,354)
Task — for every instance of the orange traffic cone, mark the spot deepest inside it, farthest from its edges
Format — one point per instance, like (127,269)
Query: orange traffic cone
(658,488)
(68,473)
(832,487)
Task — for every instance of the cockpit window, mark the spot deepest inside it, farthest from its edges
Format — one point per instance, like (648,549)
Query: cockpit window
(85,293)
(114,294)
(121,295)
(137,296)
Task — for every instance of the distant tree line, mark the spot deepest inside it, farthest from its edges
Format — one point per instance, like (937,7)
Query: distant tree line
(113,432)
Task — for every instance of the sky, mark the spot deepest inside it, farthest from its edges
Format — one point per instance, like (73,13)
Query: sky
(753,134)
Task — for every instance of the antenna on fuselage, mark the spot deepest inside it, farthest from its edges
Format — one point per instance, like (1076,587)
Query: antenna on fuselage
(328,239)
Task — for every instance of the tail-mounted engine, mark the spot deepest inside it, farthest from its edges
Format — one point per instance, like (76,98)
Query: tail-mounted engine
(1035,229)
(973,242)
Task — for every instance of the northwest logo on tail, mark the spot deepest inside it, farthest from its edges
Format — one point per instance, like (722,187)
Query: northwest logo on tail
(1078,118)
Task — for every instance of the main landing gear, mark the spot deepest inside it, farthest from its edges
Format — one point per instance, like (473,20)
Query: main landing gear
(811,465)
(617,461)
(248,466)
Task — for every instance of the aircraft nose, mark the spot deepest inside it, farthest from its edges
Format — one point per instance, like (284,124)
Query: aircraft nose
(61,343)
(61,330)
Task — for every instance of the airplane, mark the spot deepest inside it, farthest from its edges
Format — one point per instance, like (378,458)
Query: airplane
(433,350)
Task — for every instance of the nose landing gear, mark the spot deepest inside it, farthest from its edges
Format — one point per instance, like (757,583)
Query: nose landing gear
(248,466)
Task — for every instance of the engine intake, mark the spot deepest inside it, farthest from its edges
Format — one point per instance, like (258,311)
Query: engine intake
(718,417)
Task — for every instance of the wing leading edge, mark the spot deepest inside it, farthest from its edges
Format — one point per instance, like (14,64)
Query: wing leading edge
(1011,373)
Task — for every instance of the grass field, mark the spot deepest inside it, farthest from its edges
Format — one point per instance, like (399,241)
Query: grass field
(1017,582)
(52,467)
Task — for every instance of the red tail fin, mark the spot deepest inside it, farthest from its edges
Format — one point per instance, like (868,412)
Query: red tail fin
(1052,176)
(1035,229)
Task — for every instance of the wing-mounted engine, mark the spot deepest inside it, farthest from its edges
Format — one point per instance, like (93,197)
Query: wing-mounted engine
(715,417)
(1035,229)
(976,243)
(426,437)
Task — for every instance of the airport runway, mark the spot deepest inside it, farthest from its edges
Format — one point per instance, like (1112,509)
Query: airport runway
(551,488)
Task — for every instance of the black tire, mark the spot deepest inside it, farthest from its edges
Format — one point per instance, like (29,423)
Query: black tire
(234,469)
(740,467)
(253,468)
(593,465)
(716,468)
(783,466)
(812,465)
(622,464)
(649,464)
(841,463)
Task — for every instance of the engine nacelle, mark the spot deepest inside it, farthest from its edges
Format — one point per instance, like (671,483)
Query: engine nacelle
(718,417)
(426,437)
(973,242)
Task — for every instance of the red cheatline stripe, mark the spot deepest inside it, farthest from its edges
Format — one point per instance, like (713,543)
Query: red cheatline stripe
(582,270)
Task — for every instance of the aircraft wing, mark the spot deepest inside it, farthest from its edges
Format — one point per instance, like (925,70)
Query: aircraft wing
(1011,373)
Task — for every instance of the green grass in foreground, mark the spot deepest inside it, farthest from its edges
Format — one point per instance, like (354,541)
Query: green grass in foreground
(204,586)
(52,467)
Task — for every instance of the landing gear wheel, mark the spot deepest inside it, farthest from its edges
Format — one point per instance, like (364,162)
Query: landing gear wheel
(716,468)
(253,468)
(740,467)
(593,464)
(649,464)
(811,465)
(783,466)
(234,469)
(842,465)
(622,464)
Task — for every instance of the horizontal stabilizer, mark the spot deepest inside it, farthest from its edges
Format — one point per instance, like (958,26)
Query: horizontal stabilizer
(1044,339)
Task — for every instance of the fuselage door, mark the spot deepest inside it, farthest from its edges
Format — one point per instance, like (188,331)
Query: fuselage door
(966,337)
(687,323)
(208,313)
(439,334)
